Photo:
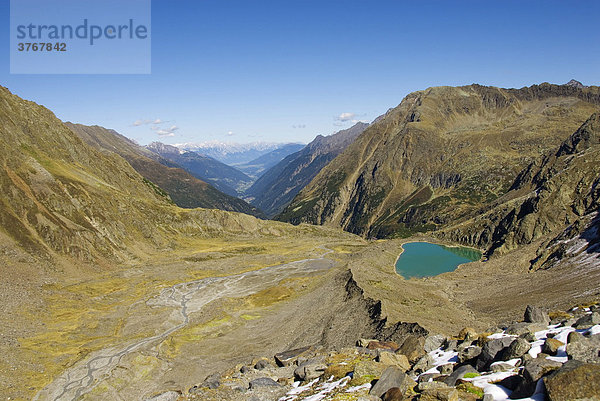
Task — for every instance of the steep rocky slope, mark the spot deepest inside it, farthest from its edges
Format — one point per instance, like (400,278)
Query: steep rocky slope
(223,177)
(556,191)
(440,156)
(184,189)
(278,186)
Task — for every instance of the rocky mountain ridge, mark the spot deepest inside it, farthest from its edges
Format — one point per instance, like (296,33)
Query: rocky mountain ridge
(440,157)
(558,191)
(280,184)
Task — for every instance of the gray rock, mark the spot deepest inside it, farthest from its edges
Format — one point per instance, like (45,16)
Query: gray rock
(451,345)
(391,377)
(423,364)
(166,396)
(469,353)
(263,382)
(584,349)
(528,336)
(310,370)
(501,367)
(446,369)
(516,349)
(434,342)
(425,377)
(431,385)
(213,381)
(491,350)
(523,328)
(459,373)
(534,314)
(536,368)
(262,364)
(488,397)
(587,321)
(574,378)
(287,358)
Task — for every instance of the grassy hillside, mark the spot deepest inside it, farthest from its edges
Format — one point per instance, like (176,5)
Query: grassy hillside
(439,157)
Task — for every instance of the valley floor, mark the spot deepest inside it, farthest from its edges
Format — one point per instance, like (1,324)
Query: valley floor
(168,323)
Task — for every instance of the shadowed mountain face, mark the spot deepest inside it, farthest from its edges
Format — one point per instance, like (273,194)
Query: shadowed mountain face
(223,177)
(184,189)
(440,157)
(276,188)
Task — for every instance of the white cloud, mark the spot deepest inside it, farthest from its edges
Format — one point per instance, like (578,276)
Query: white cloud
(137,123)
(230,133)
(346,117)
(163,131)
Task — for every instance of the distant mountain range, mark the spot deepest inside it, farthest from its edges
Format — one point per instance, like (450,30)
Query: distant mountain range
(257,167)
(232,153)
(280,184)
(223,177)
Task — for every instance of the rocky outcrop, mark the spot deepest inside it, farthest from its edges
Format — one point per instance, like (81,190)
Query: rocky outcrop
(559,191)
(443,155)
(357,373)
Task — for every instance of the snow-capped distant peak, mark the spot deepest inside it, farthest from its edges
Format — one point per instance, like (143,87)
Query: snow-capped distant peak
(231,152)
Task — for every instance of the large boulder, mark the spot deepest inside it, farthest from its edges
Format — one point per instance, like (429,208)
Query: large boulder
(469,353)
(516,349)
(491,350)
(392,377)
(534,314)
(459,373)
(263,382)
(287,358)
(391,359)
(534,369)
(587,321)
(585,349)
(434,342)
(310,369)
(575,380)
(413,347)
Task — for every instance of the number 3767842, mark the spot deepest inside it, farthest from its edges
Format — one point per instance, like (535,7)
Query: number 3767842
(41,47)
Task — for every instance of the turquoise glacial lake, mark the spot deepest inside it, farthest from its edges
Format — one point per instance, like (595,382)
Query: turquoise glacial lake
(423,259)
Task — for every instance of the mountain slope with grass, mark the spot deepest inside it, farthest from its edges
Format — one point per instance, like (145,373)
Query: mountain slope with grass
(184,189)
(440,156)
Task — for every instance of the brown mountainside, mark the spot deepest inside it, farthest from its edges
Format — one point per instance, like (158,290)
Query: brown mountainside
(440,156)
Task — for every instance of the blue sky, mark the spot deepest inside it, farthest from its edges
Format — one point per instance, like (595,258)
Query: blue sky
(285,71)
